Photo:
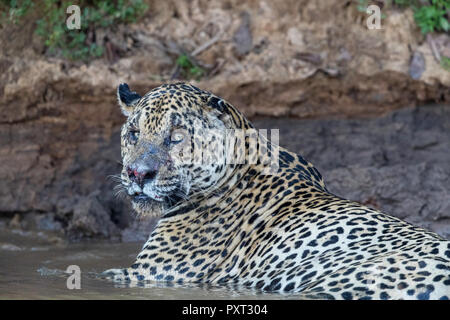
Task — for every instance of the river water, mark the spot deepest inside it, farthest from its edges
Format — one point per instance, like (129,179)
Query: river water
(31,267)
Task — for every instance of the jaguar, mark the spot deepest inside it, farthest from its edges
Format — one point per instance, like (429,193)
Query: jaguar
(265,222)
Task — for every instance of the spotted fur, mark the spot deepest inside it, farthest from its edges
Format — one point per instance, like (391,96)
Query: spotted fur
(285,232)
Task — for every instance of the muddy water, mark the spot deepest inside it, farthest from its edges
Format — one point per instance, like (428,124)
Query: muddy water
(33,268)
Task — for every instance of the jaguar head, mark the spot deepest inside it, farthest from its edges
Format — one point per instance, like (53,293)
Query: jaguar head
(172,145)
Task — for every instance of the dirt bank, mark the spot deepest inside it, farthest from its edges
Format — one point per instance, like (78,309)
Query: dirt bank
(59,125)
(398,163)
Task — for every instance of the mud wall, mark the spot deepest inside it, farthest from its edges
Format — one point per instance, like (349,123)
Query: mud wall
(59,122)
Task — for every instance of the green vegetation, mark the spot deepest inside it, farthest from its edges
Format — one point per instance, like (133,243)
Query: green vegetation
(13,10)
(445,63)
(430,15)
(51,26)
(188,67)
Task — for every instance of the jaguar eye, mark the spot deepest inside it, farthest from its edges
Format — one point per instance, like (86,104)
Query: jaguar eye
(133,136)
(175,138)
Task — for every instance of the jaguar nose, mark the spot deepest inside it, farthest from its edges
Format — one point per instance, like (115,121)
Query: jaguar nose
(140,175)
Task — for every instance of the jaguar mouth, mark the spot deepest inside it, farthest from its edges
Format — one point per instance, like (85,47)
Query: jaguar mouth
(151,194)
(146,205)
(143,198)
(140,198)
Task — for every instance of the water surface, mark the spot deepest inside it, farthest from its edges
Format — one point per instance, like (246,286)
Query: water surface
(32,267)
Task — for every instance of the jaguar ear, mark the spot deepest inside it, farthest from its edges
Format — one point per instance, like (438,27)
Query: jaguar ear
(218,107)
(228,114)
(217,104)
(127,99)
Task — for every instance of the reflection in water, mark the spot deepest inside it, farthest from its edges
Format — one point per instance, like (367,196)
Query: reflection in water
(26,273)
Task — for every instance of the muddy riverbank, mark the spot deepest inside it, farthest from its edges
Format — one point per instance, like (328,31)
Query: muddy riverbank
(398,163)
(305,62)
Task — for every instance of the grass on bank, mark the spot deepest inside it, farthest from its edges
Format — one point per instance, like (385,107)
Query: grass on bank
(74,44)
(429,15)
